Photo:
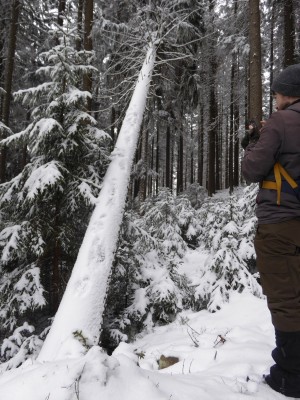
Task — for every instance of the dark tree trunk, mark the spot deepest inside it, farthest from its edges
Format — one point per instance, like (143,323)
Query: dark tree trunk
(172,165)
(289,33)
(3,28)
(271,66)
(113,124)
(218,158)
(168,157)
(144,158)
(231,132)
(200,146)
(212,135)
(61,12)
(226,172)
(192,154)
(55,281)
(79,25)
(88,45)
(157,163)
(9,69)
(236,149)
(150,190)
(255,94)
(180,165)
(157,153)
(213,113)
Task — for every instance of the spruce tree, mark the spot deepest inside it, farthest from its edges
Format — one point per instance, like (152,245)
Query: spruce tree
(146,286)
(226,235)
(45,209)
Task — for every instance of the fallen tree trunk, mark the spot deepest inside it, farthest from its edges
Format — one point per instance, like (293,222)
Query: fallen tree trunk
(77,323)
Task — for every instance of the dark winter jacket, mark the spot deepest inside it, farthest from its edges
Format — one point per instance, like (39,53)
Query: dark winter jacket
(279,142)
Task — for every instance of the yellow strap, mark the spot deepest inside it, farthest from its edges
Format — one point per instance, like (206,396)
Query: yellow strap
(287,177)
(278,171)
(269,185)
(278,181)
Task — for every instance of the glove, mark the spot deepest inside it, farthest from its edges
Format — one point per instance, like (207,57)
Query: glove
(251,136)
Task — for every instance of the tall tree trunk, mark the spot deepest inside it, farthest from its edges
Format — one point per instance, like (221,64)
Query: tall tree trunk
(233,156)
(289,33)
(55,278)
(61,12)
(200,146)
(231,130)
(168,157)
(24,152)
(79,25)
(271,66)
(218,156)
(144,158)
(172,164)
(9,69)
(150,190)
(213,113)
(180,164)
(157,153)
(235,112)
(3,27)
(236,149)
(227,140)
(157,161)
(88,45)
(255,83)
(192,153)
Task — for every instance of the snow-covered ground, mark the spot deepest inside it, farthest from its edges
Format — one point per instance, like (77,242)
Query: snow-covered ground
(221,356)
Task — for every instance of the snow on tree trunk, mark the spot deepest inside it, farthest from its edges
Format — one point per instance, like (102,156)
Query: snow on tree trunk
(77,323)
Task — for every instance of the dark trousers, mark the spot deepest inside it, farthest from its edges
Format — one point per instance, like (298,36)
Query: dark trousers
(277,248)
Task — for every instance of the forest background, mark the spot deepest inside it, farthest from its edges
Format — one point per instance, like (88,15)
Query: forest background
(67,72)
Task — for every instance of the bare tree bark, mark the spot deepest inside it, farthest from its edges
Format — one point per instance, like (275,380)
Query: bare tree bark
(289,33)
(227,134)
(218,157)
(236,149)
(231,129)
(200,146)
(79,25)
(192,154)
(144,158)
(3,27)
(180,164)
(9,69)
(168,157)
(213,113)
(212,134)
(271,66)
(61,12)
(88,45)
(255,83)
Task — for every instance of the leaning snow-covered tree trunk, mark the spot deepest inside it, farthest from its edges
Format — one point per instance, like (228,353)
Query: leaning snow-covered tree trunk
(77,323)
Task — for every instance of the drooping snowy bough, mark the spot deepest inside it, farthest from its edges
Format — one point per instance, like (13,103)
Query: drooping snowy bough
(77,322)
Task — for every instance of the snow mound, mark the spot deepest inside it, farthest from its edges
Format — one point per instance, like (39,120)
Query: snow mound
(222,356)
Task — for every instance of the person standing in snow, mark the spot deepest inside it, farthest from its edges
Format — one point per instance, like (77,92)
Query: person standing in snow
(277,240)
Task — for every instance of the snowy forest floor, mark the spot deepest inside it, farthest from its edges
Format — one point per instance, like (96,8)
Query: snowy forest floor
(222,355)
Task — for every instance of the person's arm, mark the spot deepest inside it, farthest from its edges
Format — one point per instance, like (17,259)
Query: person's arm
(260,157)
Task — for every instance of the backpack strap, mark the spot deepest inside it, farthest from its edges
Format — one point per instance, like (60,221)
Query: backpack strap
(277,185)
